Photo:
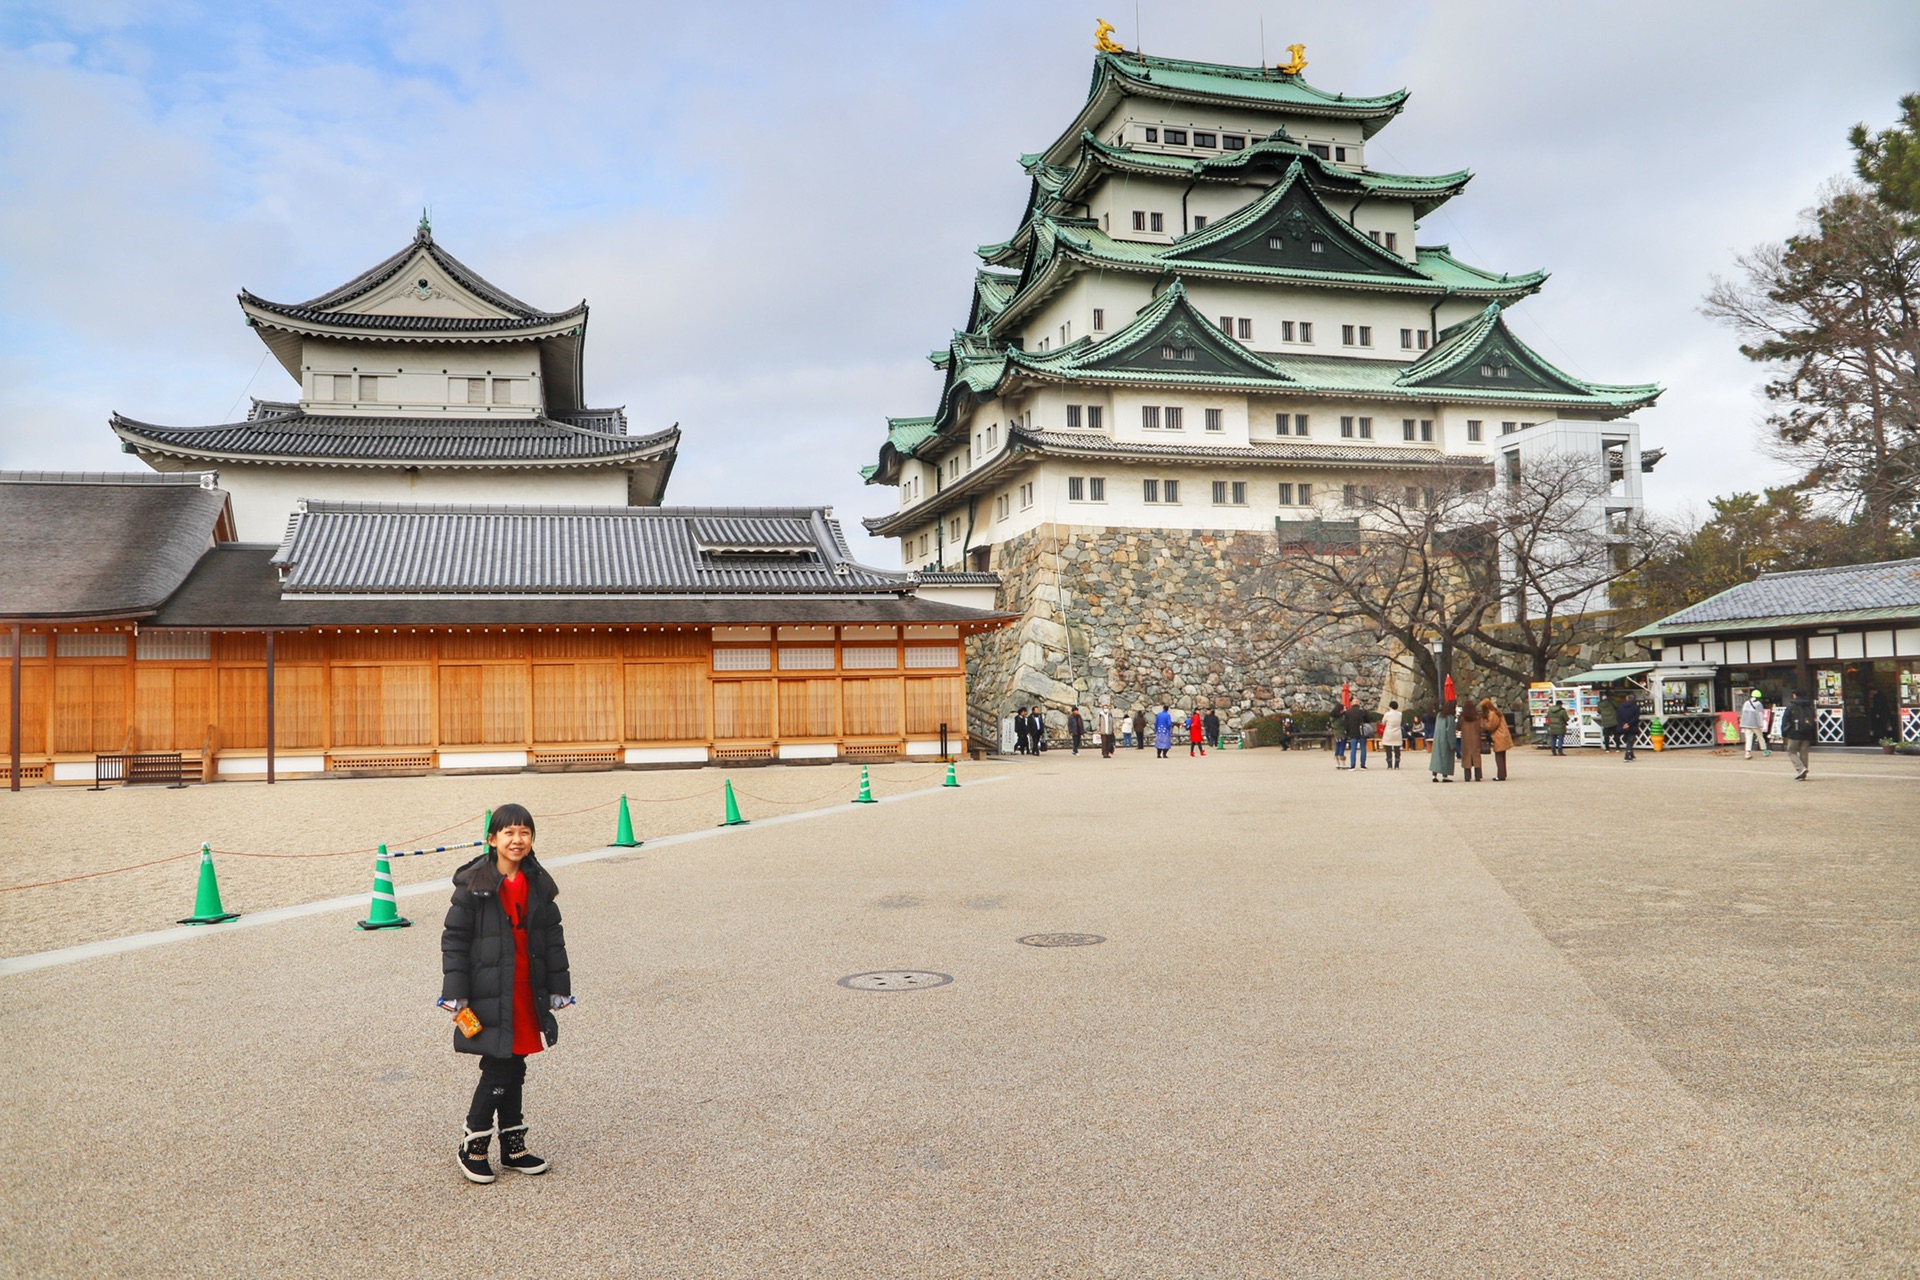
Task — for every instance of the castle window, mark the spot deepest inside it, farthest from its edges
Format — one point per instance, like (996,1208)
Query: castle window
(1406,339)
(1366,335)
(1099,319)
(1213,420)
(503,390)
(1316,246)
(1306,494)
(1171,488)
(1320,149)
(1473,429)
(337,387)
(1246,329)
(1339,153)
(1393,241)
(1199,221)
(953,528)
(1026,495)
(1276,243)
(1150,417)
(1153,134)
(1422,338)
(1233,142)
(1226,325)
(1093,417)
(1300,424)
(1346,428)
(1508,428)
(1349,495)
(1176,137)
(1426,430)
(1076,488)
(1374,236)
(476,390)
(1173,418)
(1286,331)
(369,389)
(1150,491)
(1306,331)
(1229,493)
(1366,428)
(1073,417)
(1096,488)
(1286,494)
(1139,219)
(1204,139)
(1156,223)
(1346,335)
(1171,352)
(1406,428)
(1002,507)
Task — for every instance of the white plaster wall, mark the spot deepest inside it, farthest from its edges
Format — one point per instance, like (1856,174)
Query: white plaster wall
(416,379)
(264,497)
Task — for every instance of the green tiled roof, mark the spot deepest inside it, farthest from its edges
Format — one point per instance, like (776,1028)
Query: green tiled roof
(906,433)
(1241,86)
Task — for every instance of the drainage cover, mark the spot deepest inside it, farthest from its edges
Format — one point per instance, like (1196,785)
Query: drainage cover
(1060,939)
(896,980)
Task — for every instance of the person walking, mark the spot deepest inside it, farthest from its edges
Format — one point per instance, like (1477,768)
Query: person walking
(1629,722)
(1392,734)
(1797,728)
(1499,737)
(1353,722)
(1286,731)
(1103,724)
(1037,731)
(1753,725)
(1075,727)
(1020,731)
(1162,733)
(1557,728)
(1139,729)
(1440,759)
(503,960)
(1211,721)
(1196,735)
(1608,715)
(1470,739)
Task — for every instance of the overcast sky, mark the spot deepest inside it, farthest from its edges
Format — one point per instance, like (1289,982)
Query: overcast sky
(772,208)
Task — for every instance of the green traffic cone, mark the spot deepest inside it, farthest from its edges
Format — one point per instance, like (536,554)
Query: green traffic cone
(486,823)
(206,900)
(623,833)
(382,913)
(866,789)
(733,809)
(953,779)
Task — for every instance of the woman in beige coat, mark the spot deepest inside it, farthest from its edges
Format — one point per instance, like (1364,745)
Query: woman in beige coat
(1499,737)
(1469,741)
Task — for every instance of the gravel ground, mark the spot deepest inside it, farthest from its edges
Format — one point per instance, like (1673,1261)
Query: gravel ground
(275,846)
(1654,1019)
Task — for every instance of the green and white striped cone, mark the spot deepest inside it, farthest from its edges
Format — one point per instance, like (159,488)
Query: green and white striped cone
(206,898)
(866,789)
(382,912)
(953,779)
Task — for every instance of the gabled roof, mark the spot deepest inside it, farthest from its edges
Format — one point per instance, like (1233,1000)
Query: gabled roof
(283,434)
(381,549)
(1887,590)
(1260,89)
(110,545)
(1483,355)
(1290,226)
(423,294)
(1168,341)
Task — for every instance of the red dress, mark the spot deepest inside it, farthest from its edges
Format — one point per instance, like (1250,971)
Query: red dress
(526,1019)
(1196,732)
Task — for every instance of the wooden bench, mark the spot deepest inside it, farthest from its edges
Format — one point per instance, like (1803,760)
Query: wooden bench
(144,768)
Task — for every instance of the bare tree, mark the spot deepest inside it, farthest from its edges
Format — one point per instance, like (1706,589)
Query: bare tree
(1414,563)
(1561,549)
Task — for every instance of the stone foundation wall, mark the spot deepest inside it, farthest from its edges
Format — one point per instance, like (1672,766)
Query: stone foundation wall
(1146,617)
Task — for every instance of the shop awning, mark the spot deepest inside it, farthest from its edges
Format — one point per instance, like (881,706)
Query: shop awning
(1686,673)
(1609,672)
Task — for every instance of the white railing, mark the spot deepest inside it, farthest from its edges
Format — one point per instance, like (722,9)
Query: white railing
(1910,724)
(1830,724)
(1683,731)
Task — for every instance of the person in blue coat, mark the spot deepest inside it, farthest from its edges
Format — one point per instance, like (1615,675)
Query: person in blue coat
(1162,733)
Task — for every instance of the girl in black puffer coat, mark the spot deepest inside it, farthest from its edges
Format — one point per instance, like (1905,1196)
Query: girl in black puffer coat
(503,957)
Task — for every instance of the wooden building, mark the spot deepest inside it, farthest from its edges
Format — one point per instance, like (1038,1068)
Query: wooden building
(380,637)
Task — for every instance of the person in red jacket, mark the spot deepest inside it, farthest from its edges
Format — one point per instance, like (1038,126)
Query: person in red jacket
(503,959)
(1196,735)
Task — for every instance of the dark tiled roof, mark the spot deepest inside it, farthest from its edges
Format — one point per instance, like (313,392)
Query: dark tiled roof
(78,546)
(235,586)
(750,533)
(1890,585)
(404,549)
(284,433)
(323,309)
(955,578)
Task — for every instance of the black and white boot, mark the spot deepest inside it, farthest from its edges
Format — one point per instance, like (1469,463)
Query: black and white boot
(473,1154)
(514,1154)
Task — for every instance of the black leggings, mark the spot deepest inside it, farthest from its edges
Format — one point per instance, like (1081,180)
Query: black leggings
(499,1089)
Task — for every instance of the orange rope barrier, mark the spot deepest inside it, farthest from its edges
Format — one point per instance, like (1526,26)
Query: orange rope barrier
(15,888)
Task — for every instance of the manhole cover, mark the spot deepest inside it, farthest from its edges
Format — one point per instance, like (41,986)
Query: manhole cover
(1060,939)
(896,980)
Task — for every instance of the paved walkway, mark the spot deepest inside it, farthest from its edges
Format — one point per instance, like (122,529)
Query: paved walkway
(1603,1020)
